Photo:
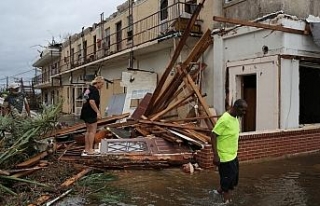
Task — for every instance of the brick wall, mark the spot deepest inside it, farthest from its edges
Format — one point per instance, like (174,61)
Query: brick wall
(263,146)
(278,144)
(204,157)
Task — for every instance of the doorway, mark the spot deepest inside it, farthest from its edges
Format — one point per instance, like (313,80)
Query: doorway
(249,93)
(309,95)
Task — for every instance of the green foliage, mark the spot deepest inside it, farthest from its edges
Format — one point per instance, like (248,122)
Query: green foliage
(17,144)
(97,189)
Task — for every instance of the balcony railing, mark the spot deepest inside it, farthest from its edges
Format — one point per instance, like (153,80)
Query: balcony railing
(148,29)
(144,30)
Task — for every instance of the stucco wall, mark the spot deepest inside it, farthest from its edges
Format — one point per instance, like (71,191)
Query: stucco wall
(245,44)
(252,9)
(289,93)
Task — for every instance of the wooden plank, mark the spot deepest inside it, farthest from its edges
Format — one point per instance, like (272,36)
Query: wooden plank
(171,107)
(66,149)
(41,200)
(194,55)
(199,136)
(77,127)
(73,179)
(25,169)
(141,109)
(258,25)
(174,125)
(193,134)
(128,123)
(142,131)
(185,137)
(3,172)
(24,173)
(174,58)
(32,161)
(188,119)
(204,104)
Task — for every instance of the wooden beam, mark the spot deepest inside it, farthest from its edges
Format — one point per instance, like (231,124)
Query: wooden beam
(194,55)
(171,107)
(174,58)
(189,119)
(174,125)
(259,25)
(32,161)
(73,179)
(204,104)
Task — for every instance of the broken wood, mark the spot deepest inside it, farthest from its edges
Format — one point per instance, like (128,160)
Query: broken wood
(174,125)
(75,128)
(188,119)
(41,200)
(258,25)
(73,179)
(3,172)
(211,122)
(195,54)
(25,169)
(174,58)
(171,107)
(142,131)
(32,161)
(58,198)
(66,149)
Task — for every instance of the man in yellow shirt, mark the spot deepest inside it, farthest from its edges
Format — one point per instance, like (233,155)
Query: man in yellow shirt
(224,138)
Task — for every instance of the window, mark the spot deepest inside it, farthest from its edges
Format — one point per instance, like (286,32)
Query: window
(190,6)
(130,29)
(164,10)
(107,38)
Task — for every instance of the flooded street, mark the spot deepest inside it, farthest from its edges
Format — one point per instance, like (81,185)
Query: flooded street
(286,182)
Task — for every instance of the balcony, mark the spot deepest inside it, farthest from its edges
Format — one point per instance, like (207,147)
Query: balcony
(149,30)
(50,54)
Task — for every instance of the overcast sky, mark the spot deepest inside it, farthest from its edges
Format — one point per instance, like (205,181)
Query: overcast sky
(29,25)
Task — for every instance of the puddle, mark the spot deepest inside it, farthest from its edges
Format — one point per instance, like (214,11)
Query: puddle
(287,182)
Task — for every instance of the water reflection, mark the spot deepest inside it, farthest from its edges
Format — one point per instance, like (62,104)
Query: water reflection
(288,182)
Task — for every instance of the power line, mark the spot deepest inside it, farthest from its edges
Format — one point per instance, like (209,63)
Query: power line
(18,74)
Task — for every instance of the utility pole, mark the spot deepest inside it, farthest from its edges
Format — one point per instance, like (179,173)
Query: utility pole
(7,82)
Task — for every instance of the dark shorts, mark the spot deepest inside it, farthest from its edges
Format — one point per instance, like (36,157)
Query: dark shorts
(229,174)
(89,120)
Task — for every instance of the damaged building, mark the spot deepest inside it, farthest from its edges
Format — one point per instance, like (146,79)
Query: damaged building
(267,55)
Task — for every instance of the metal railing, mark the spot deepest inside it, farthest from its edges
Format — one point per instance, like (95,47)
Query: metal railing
(147,29)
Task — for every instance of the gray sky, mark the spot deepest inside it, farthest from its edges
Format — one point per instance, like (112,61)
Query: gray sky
(28,25)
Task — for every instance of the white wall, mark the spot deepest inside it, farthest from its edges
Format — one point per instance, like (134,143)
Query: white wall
(266,70)
(289,92)
(278,86)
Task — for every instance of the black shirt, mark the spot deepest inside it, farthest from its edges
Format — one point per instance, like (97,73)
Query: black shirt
(92,93)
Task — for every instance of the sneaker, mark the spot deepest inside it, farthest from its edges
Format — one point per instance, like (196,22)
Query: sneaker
(217,192)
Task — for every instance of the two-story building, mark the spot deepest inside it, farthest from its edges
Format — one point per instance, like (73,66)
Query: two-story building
(274,67)
(135,42)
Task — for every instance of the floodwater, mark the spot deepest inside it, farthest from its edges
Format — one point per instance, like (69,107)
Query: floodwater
(288,182)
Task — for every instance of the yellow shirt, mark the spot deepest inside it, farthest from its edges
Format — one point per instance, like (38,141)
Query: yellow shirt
(227,129)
